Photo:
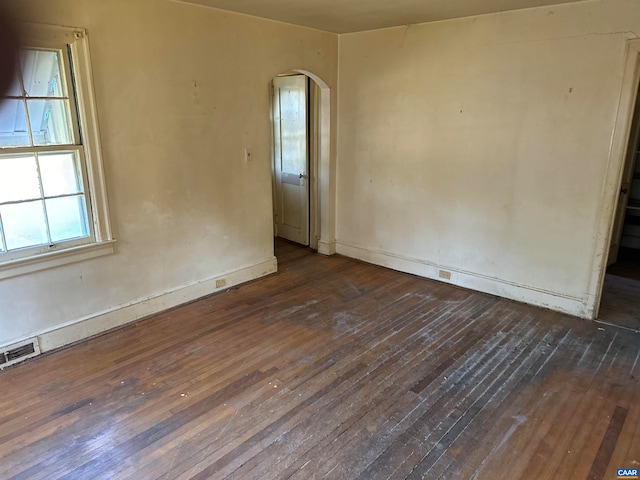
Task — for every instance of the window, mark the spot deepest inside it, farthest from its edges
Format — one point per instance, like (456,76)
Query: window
(52,194)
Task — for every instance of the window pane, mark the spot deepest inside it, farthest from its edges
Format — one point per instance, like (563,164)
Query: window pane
(15,91)
(13,124)
(50,122)
(18,178)
(293,130)
(41,73)
(24,224)
(60,173)
(67,218)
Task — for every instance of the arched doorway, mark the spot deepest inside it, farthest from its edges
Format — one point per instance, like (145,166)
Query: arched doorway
(303,187)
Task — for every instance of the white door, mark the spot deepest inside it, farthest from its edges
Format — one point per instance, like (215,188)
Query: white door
(291,158)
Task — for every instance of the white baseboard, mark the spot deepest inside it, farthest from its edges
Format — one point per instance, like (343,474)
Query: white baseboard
(326,248)
(522,293)
(101,322)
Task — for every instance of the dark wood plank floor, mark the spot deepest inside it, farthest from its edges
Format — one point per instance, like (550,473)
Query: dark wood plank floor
(331,369)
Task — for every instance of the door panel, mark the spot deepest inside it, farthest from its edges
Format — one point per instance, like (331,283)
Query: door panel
(291,158)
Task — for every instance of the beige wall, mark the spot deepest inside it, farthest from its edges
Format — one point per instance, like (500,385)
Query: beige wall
(181,90)
(477,146)
(480,146)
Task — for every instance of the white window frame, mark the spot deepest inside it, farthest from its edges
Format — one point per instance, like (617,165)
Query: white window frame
(102,243)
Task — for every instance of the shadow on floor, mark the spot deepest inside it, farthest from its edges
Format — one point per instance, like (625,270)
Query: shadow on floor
(620,303)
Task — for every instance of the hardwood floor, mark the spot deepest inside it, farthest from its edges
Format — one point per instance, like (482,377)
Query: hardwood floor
(331,369)
(620,303)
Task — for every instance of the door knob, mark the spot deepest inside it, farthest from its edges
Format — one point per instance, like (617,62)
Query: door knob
(302,175)
(624,191)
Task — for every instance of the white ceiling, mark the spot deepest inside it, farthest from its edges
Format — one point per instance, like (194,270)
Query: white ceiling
(344,16)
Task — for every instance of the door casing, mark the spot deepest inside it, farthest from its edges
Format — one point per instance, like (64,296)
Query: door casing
(613,178)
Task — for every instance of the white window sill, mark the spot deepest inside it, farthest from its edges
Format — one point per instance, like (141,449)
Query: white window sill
(44,261)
